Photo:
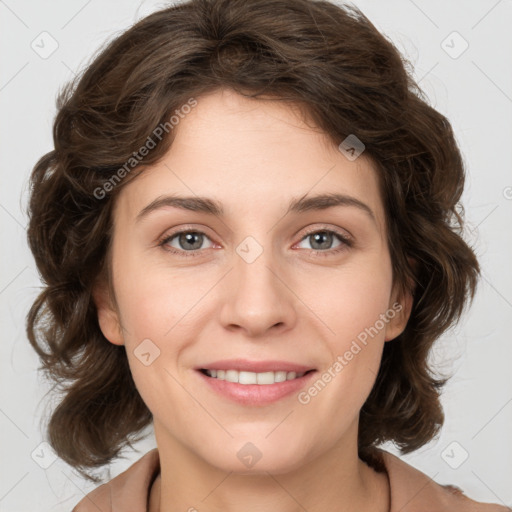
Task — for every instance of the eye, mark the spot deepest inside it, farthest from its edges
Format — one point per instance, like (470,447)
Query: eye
(183,242)
(321,241)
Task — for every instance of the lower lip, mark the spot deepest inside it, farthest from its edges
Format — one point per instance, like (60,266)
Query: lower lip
(256,394)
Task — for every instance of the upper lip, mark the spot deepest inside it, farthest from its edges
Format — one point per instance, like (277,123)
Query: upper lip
(243,365)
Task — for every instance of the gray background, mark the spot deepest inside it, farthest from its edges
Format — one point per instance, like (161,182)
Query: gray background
(472,88)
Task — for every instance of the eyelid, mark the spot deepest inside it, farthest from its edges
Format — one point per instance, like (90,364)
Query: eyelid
(183,228)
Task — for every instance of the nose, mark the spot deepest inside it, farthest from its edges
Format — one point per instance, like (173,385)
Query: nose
(257,298)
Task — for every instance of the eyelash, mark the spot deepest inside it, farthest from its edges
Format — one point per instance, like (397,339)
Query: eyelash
(346,242)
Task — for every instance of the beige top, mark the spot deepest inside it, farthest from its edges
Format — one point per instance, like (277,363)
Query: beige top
(411,490)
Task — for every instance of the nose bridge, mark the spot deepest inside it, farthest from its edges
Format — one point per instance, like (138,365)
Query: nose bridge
(257,299)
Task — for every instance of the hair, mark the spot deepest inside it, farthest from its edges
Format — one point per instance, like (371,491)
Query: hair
(349,79)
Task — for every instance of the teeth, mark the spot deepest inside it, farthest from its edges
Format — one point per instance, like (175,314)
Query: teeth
(253,378)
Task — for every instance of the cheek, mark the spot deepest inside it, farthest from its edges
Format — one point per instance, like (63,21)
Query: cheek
(350,299)
(153,299)
(157,314)
(354,312)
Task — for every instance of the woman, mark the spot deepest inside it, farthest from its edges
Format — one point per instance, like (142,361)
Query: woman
(283,140)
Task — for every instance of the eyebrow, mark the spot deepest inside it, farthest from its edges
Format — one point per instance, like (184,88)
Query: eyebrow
(297,205)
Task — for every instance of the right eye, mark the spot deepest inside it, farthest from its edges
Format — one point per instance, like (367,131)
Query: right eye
(183,242)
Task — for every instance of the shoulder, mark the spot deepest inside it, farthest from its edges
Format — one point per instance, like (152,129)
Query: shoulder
(413,491)
(128,490)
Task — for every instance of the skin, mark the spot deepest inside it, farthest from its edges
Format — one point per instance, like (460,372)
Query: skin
(253,156)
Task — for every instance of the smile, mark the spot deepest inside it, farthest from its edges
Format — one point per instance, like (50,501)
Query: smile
(246,378)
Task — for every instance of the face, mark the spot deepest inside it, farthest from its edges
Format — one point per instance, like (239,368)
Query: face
(267,278)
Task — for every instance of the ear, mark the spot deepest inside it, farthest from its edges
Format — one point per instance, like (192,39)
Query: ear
(108,318)
(401,304)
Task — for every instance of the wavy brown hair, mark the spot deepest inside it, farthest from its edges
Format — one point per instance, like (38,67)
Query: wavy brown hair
(349,79)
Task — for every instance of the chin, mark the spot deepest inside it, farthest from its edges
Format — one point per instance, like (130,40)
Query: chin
(246,457)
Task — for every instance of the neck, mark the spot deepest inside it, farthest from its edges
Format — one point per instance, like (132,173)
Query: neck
(335,480)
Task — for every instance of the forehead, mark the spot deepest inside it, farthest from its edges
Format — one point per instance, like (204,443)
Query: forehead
(250,154)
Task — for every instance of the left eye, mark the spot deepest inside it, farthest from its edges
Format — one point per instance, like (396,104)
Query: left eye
(322,240)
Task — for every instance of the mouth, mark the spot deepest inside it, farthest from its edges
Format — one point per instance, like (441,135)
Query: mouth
(247,388)
(251,378)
